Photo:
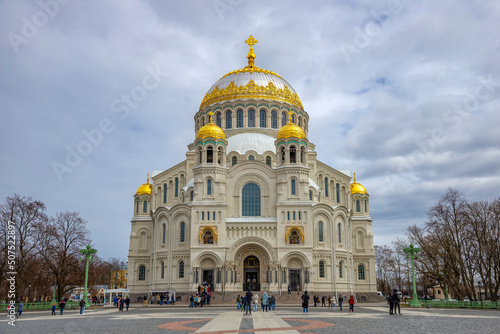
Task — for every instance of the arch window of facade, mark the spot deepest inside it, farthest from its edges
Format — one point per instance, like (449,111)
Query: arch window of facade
(183,232)
(219,155)
(202,121)
(268,160)
(210,154)
(203,215)
(293,154)
(142,273)
(300,122)
(360,239)
(341,268)
(283,119)
(321,269)
(145,206)
(361,272)
(181,269)
(164,193)
(229,120)
(292,186)
(337,192)
(209,187)
(164,233)
(263,118)
(294,238)
(293,215)
(239,118)
(191,195)
(282,154)
(251,200)
(251,118)
(143,239)
(300,216)
(320,231)
(326,187)
(137,207)
(218,120)
(293,118)
(251,157)
(200,155)
(234,161)
(366,206)
(358,206)
(274,119)
(339,228)
(310,195)
(176,187)
(162,270)
(303,155)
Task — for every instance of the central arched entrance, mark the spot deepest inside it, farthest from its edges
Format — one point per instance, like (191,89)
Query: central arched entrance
(251,273)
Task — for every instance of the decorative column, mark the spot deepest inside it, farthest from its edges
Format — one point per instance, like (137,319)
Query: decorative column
(88,255)
(412,252)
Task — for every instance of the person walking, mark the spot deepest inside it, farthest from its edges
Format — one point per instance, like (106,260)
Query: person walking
(248,299)
(305,302)
(334,301)
(298,289)
(127,302)
(397,306)
(265,301)
(53,308)
(62,304)
(273,302)
(390,301)
(323,298)
(289,289)
(329,301)
(341,300)
(255,302)
(20,309)
(145,301)
(82,306)
(351,303)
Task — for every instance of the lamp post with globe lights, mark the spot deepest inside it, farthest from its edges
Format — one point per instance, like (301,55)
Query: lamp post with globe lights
(88,252)
(412,252)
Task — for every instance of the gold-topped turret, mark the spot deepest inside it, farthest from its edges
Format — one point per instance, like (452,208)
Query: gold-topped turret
(251,55)
(357,188)
(146,188)
(210,130)
(290,130)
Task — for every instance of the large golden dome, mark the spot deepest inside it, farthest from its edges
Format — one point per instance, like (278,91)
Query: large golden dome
(291,130)
(251,82)
(145,189)
(357,188)
(210,130)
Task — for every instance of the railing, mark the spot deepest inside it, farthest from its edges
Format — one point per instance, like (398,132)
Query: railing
(42,306)
(460,304)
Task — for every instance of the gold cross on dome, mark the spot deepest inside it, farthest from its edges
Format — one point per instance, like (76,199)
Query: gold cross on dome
(210,114)
(290,113)
(251,41)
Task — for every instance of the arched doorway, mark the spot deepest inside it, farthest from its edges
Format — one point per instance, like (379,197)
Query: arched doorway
(251,268)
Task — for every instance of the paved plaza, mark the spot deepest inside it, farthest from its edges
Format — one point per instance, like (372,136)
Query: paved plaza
(368,318)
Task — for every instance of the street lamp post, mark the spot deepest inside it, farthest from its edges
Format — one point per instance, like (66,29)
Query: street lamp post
(412,251)
(29,292)
(88,255)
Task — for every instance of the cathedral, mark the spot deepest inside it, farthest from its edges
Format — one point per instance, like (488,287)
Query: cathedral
(251,206)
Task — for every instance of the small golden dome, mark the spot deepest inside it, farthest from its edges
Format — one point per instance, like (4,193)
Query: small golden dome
(145,189)
(291,130)
(210,130)
(357,188)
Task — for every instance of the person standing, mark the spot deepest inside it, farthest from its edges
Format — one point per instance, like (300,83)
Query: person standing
(298,289)
(127,302)
(265,301)
(255,302)
(323,301)
(334,301)
(82,306)
(397,306)
(62,304)
(305,302)
(329,301)
(145,301)
(341,300)
(273,302)
(390,300)
(351,303)
(248,299)
(289,289)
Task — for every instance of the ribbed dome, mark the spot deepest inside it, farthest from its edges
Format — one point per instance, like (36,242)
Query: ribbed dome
(145,189)
(210,130)
(251,82)
(291,130)
(357,188)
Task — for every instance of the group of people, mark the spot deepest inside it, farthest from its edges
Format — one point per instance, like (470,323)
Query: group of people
(120,303)
(244,303)
(394,303)
(331,302)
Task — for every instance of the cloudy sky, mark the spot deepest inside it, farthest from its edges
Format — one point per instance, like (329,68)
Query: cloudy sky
(404,93)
